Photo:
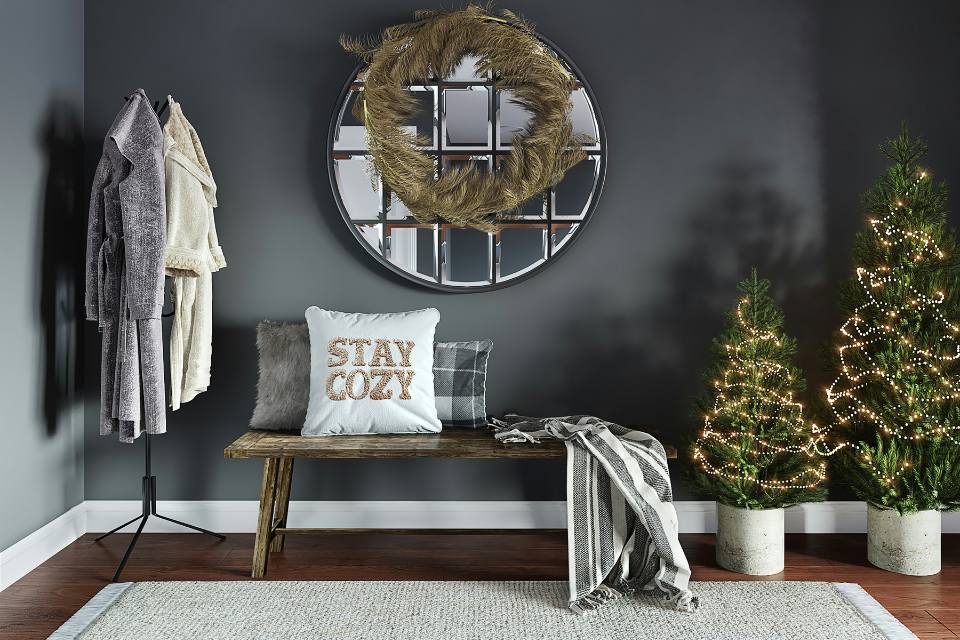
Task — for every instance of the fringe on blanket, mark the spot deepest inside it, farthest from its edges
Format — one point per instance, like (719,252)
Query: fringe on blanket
(681,601)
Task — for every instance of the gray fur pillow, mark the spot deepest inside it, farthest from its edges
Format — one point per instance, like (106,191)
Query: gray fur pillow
(284,385)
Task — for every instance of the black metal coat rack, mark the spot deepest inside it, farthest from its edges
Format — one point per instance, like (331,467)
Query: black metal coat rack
(148,491)
(148,487)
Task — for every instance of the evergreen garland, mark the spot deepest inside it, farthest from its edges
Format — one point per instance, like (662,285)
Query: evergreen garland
(757,450)
(895,400)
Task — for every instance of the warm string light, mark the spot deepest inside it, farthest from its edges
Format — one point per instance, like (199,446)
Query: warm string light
(819,474)
(884,479)
(759,402)
(858,366)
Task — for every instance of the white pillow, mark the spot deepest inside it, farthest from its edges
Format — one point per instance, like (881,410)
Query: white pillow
(371,372)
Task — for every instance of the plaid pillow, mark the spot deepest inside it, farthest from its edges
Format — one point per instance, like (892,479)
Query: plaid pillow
(460,382)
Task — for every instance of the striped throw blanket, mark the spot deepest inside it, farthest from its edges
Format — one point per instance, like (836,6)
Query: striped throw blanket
(621,524)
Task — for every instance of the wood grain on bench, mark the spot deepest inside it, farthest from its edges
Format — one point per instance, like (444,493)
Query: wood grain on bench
(451,443)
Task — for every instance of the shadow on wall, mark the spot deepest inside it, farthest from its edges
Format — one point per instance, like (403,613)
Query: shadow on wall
(645,368)
(201,428)
(60,294)
(744,221)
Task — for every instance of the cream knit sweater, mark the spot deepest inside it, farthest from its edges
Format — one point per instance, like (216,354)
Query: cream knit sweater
(192,253)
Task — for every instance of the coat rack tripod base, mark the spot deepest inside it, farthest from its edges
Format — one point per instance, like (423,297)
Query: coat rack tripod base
(149,508)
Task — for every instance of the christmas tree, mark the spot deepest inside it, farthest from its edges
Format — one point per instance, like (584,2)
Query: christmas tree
(756,449)
(895,400)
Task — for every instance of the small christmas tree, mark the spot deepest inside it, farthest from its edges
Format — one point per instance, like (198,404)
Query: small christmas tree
(756,449)
(896,400)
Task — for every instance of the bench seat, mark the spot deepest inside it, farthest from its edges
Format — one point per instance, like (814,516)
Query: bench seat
(451,443)
(278,451)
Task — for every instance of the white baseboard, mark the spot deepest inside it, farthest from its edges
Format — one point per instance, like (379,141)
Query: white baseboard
(240,516)
(29,553)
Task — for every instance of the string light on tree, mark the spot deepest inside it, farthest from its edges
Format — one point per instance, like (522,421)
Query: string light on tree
(756,448)
(895,398)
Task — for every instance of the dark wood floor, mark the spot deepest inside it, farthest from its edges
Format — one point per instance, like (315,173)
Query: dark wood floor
(42,600)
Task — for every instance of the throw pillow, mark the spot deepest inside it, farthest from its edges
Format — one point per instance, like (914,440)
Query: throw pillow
(283,384)
(371,373)
(460,382)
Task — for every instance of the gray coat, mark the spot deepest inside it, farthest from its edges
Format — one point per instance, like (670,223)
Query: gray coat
(125,243)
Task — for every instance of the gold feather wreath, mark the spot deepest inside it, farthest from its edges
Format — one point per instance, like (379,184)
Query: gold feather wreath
(507,47)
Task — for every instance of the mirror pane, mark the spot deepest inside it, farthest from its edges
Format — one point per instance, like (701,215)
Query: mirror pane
(562,234)
(397,210)
(423,122)
(467,256)
(466,117)
(534,208)
(582,116)
(466,71)
(360,193)
(351,134)
(413,249)
(573,194)
(372,235)
(512,118)
(519,249)
(352,138)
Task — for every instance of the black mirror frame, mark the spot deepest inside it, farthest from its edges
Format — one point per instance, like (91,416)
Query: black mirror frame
(493,286)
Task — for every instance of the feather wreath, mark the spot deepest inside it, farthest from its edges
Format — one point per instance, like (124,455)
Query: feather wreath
(507,48)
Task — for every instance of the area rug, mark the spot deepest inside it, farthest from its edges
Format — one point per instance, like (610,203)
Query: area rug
(472,610)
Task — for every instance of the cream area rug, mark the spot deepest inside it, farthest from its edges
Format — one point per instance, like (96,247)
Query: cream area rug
(472,610)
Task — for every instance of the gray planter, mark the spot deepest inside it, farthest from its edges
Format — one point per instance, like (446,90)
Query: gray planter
(908,544)
(750,541)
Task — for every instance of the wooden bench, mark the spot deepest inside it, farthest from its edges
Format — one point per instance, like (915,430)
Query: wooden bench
(279,450)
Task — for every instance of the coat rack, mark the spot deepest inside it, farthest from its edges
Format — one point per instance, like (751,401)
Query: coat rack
(148,487)
(148,491)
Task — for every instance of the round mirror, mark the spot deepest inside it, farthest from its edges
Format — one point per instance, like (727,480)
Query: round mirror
(470,120)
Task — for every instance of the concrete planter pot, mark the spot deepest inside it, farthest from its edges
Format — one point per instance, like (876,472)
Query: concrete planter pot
(750,541)
(908,544)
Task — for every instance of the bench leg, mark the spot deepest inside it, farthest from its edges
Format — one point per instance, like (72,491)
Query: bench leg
(285,476)
(268,498)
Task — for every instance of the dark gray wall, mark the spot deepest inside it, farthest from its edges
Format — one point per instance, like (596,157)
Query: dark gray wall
(41,179)
(741,133)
